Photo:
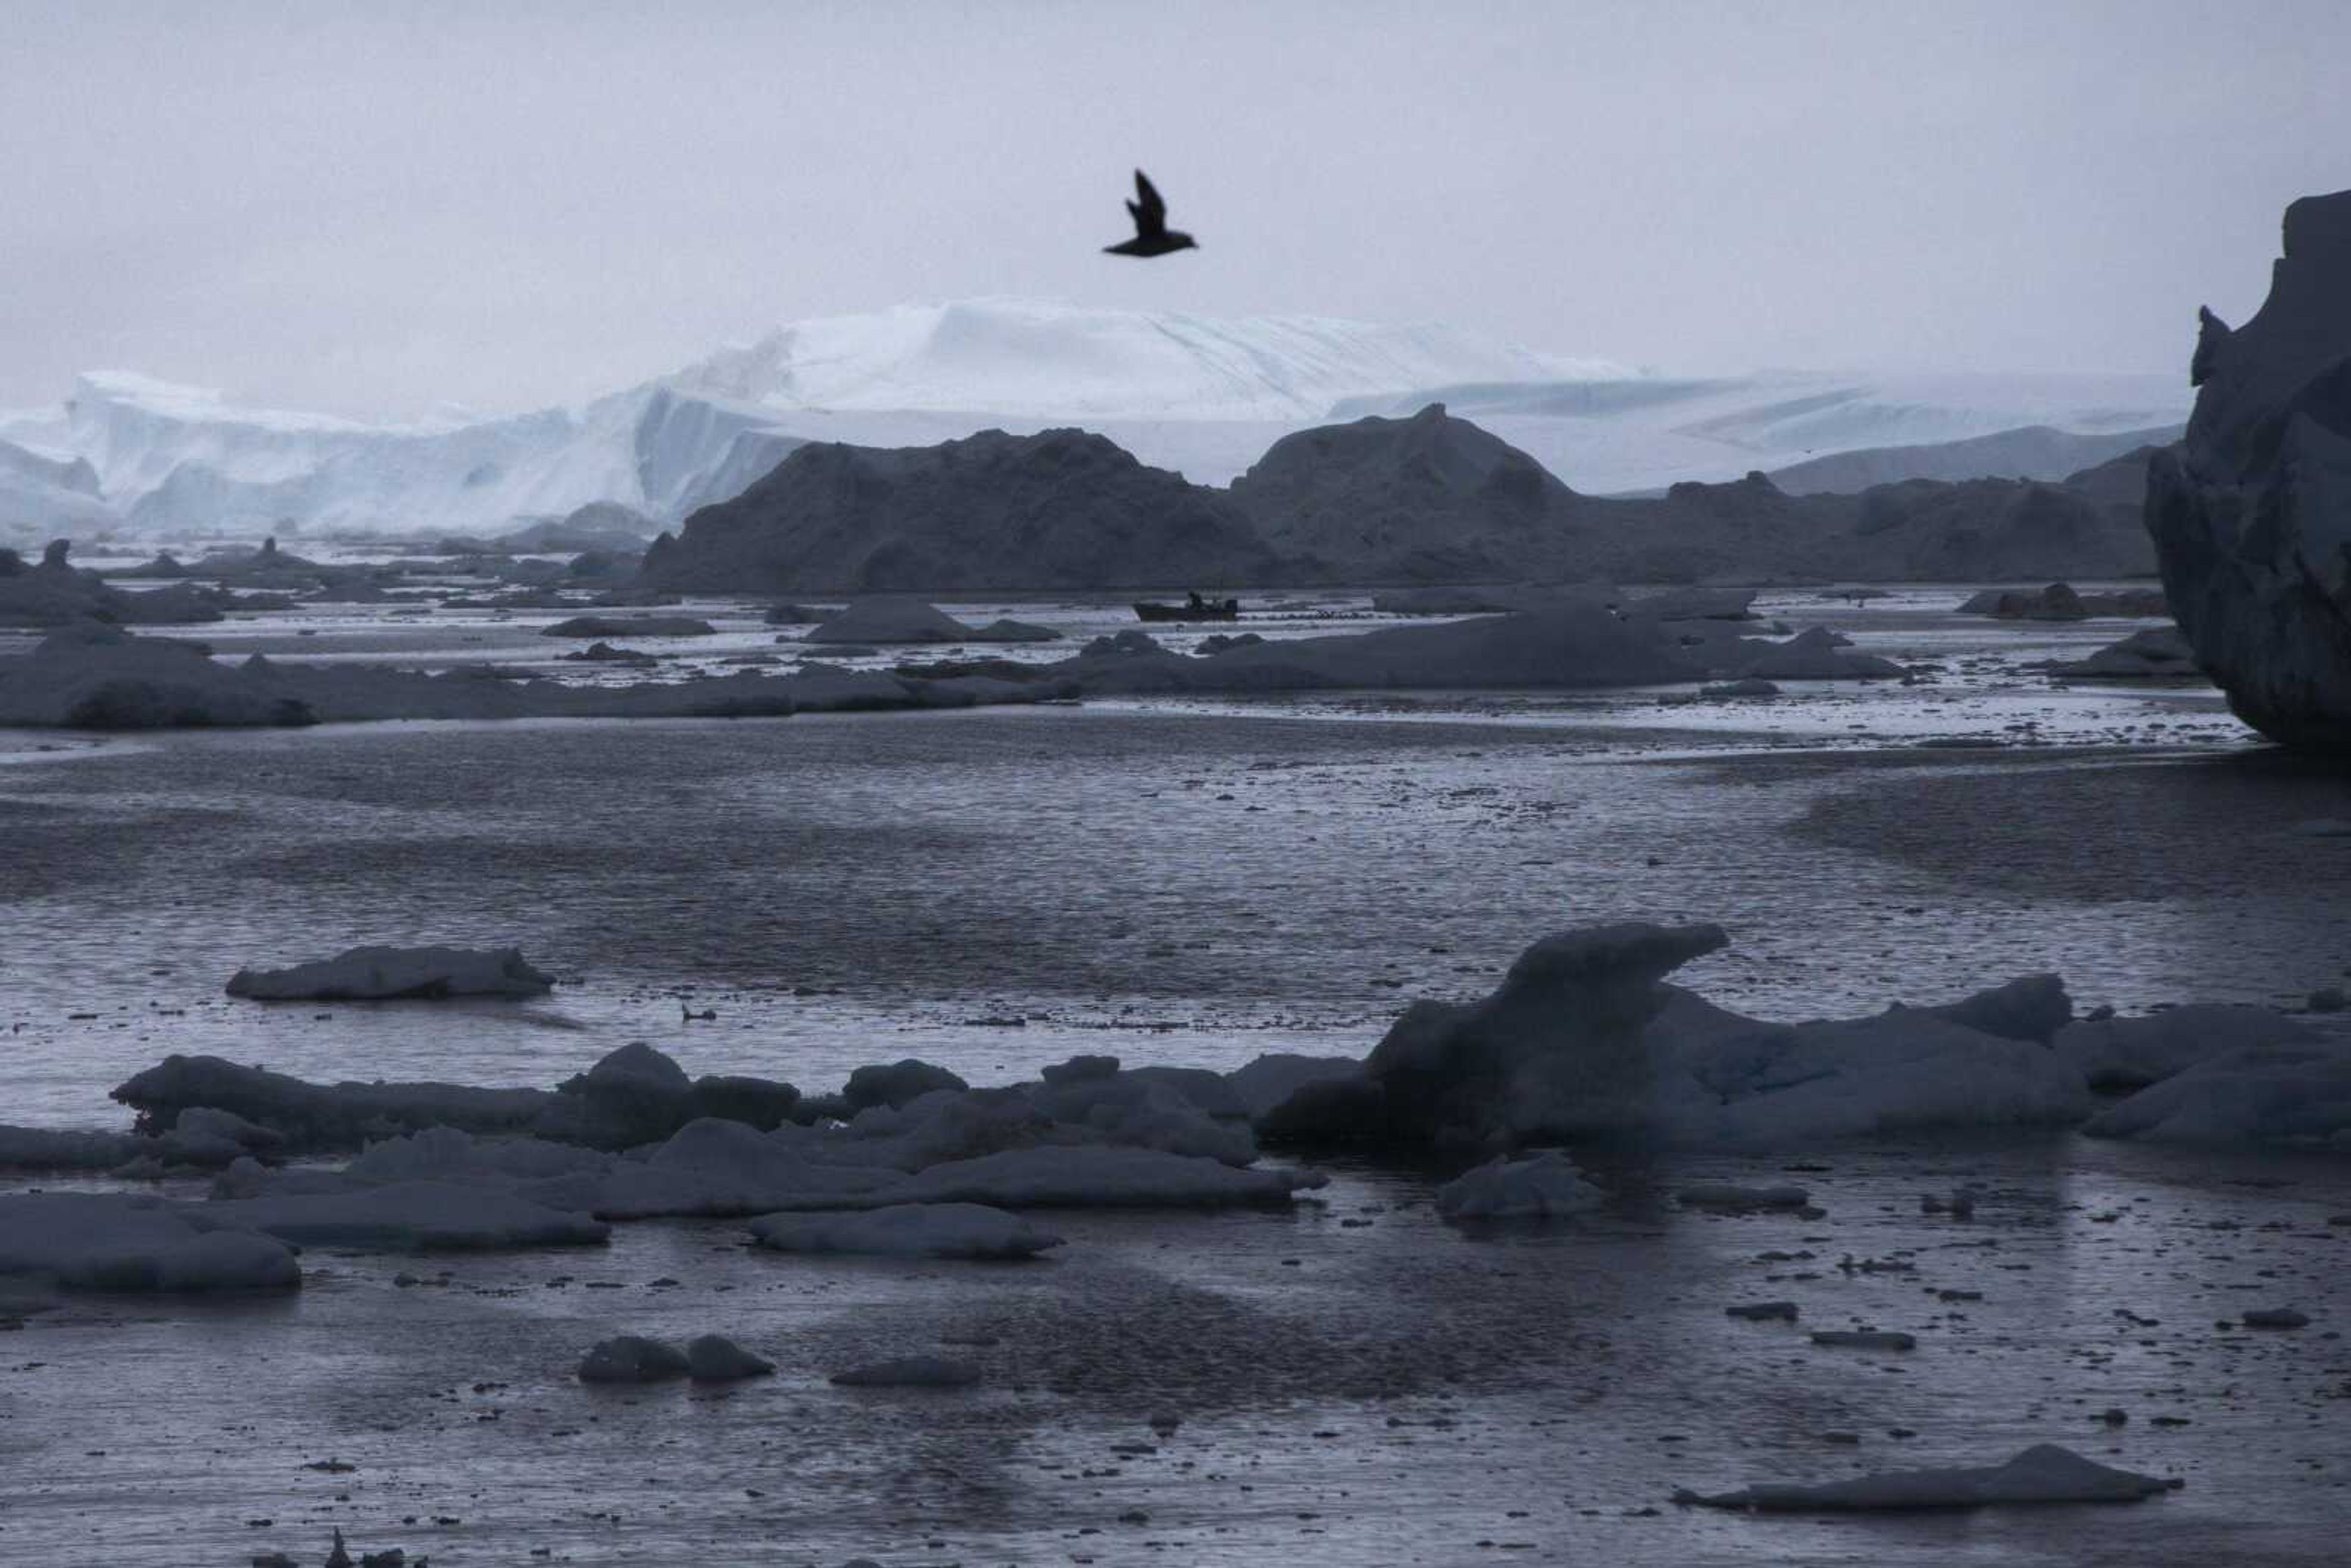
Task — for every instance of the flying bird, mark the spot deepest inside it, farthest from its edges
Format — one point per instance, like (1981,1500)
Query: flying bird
(1151,235)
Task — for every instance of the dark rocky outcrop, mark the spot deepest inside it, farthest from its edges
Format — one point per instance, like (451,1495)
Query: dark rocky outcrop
(1403,500)
(1063,508)
(1428,500)
(2251,517)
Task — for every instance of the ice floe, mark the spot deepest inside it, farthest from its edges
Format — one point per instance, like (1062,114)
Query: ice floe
(386,974)
(2045,1473)
(112,1243)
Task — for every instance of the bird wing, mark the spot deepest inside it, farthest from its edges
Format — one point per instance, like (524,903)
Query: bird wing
(1149,208)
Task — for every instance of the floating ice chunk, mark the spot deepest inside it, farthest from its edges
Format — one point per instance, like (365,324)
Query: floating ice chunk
(2132,1052)
(444,1154)
(1143,1112)
(1746,687)
(892,619)
(1094,1176)
(2295,1092)
(1271,1079)
(422,1216)
(211,1138)
(56,1149)
(1581,1039)
(607,626)
(1763,1312)
(90,1242)
(714,1358)
(1005,629)
(2044,1473)
(1568,643)
(1815,654)
(2150,654)
(908,1230)
(895,1084)
(385,974)
(912,1372)
(632,1358)
(1865,1339)
(2031,1007)
(1538,1186)
(1730,1199)
(2275,1318)
(325,1115)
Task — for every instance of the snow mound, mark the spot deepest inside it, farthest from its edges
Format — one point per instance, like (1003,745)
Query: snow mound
(385,974)
(87,1242)
(1538,1186)
(907,1230)
(2045,1473)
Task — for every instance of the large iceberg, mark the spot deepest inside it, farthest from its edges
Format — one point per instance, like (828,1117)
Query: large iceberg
(2251,517)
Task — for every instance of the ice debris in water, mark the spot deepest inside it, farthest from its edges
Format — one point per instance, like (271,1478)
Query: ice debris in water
(2045,1473)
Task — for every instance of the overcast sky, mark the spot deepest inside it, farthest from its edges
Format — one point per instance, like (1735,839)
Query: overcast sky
(374,209)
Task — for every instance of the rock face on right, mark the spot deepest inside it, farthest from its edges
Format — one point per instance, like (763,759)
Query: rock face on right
(2251,517)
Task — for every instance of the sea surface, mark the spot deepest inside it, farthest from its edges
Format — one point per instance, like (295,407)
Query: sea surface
(1194,883)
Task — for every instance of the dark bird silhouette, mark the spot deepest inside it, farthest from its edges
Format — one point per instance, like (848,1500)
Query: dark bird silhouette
(1151,235)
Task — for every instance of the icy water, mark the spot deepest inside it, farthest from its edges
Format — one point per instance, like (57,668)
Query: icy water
(1196,884)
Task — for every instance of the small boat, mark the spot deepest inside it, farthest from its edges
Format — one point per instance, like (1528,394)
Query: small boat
(1194,608)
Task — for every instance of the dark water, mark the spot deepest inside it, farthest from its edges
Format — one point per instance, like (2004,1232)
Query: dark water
(1170,887)
(1197,885)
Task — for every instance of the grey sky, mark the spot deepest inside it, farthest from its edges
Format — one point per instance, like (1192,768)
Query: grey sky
(368,209)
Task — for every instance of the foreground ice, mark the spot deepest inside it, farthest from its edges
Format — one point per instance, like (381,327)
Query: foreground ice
(2260,1094)
(2040,1474)
(92,1242)
(1582,1040)
(384,974)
